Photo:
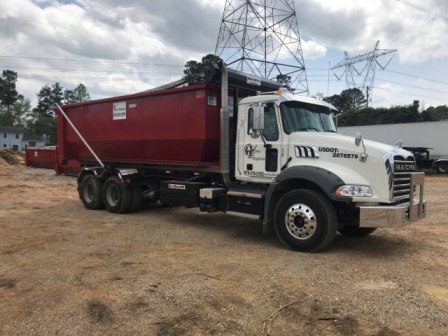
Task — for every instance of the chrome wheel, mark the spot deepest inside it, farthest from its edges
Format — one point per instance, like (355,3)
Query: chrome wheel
(300,221)
(112,195)
(89,193)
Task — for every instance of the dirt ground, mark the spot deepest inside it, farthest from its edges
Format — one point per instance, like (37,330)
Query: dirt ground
(65,270)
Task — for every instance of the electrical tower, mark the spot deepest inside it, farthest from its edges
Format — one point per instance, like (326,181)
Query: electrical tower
(262,37)
(367,67)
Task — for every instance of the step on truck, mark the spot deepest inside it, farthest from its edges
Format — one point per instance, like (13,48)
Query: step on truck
(224,145)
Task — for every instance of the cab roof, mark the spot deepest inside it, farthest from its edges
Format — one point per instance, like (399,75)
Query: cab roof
(286,97)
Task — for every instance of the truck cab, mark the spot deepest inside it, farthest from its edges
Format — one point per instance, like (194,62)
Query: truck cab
(289,144)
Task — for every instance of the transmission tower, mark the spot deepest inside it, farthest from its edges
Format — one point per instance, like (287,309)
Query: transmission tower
(359,71)
(262,37)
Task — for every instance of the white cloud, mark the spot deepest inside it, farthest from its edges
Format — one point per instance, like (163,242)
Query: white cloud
(313,50)
(355,26)
(171,32)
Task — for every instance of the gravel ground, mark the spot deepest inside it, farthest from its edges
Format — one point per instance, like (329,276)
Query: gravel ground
(171,271)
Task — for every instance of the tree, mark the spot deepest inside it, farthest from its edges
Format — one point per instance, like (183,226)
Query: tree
(6,118)
(47,97)
(335,100)
(57,93)
(194,72)
(8,92)
(352,99)
(348,100)
(21,111)
(285,80)
(434,113)
(44,119)
(78,95)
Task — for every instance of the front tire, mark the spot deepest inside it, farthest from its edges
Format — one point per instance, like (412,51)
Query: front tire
(91,192)
(442,168)
(117,197)
(305,220)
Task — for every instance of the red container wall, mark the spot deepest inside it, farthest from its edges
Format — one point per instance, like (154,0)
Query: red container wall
(69,167)
(41,158)
(170,127)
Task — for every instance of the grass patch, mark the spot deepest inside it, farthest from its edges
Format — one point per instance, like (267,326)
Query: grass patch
(8,283)
(99,312)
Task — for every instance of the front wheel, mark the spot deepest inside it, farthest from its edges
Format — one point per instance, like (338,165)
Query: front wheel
(442,167)
(305,220)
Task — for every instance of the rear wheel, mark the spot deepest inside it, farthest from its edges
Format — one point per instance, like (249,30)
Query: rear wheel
(354,231)
(136,199)
(117,197)
(91,192)
(305,220)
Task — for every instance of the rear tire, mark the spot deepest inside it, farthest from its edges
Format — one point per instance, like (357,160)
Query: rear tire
(117,197)
(354,231)
(305,220)
(137,198)
(91,192)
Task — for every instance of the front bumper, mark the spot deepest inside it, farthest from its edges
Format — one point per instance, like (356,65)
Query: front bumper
(393,216)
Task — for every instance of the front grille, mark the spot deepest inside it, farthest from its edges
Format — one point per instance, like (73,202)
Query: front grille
(403,167)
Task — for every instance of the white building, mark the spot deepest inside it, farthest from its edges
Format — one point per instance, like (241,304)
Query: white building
(13,137)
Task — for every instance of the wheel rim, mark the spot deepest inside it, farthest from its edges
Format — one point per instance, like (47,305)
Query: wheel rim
(443,168)
(300,221)
(112,195)
(89,193)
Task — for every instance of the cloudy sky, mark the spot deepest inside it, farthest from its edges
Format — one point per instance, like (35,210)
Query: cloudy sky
(119,47)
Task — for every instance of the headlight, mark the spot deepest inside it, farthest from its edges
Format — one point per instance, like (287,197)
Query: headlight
(354,191)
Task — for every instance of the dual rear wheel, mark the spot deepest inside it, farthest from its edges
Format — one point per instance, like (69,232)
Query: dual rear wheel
(111,194)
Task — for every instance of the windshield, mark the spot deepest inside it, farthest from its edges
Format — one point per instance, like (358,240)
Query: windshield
(303,117)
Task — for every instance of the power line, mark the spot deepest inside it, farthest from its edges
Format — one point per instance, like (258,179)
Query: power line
(422,9)
(94,78)
(412,94)
(91,71)
(45,59)
(417,77)
(414,86)
(369,66)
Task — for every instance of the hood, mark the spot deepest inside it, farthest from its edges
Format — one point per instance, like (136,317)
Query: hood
(340,155)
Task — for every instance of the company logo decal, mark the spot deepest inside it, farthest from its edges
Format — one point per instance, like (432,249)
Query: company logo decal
(404,167)
(249,150)
(119,111)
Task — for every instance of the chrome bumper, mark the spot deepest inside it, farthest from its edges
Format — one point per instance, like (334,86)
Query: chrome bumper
(394,216)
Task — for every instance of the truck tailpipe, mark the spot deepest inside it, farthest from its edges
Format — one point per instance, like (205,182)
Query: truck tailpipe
(224,148)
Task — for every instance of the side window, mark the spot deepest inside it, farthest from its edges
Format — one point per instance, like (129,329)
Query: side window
(270,124)
(250,119)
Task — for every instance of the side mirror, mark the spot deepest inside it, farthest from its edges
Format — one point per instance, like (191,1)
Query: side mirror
(358,139)
(256,119)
